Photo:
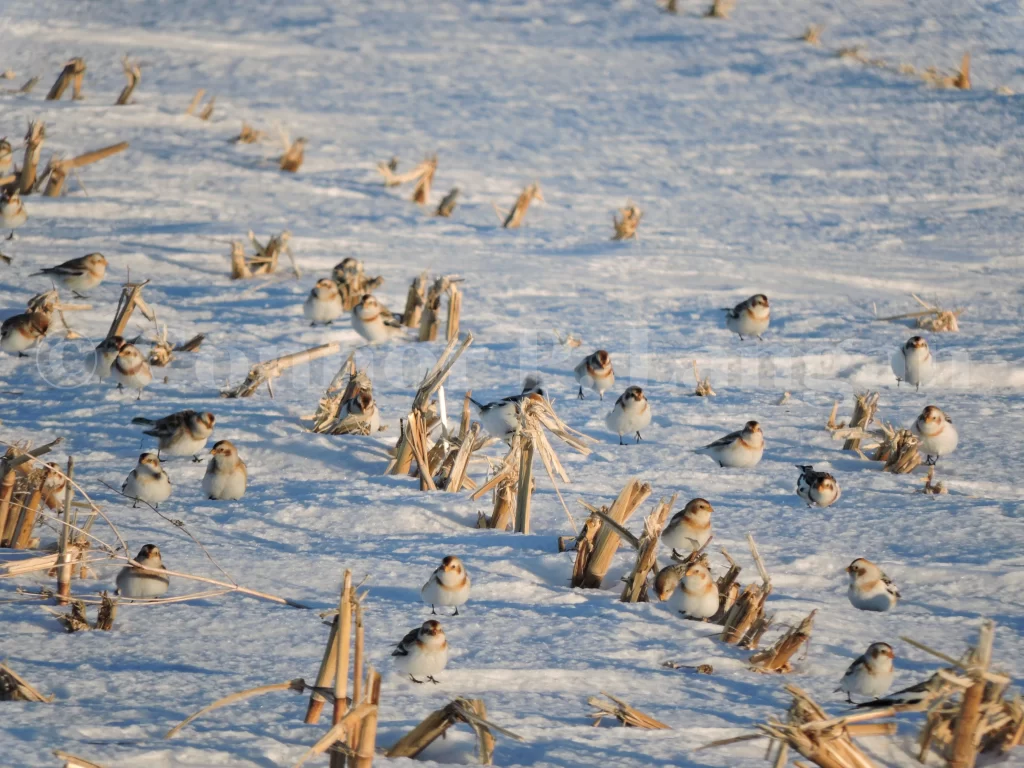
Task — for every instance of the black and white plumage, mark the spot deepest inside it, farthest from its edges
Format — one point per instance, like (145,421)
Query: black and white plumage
(22,332)
(501,418)
(148,482)
(936,434)
(226,474)
(689,529)
(595,372)
(147,581)
(919,693)
(361,409)
(870,674)
(78,275)
(912,362)
(423,652)
(181,434)
(373,321)
(12,212)
(750,317)
(737,449)
(323,305)
(448,585)
(130,369)
(818,489)
(103,357)
(632,413)
(870,589)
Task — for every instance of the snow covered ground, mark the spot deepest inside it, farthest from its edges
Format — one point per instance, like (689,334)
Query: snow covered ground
(762,164)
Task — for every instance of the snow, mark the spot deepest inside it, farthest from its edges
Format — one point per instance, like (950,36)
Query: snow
(761,164)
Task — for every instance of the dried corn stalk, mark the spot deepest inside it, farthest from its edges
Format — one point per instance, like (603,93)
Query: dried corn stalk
(623,712)
(421,194)
(72,74)
(518,212)
(720,9)
(898,450)
(132,73)
(930,486)
(248,135)
(636,588)
(812,35)
(776,658)
(599,560)
(33,147)
(472,712)
(415,299)
(13,687)
(931,318)
(353,282)
(57,170)
(703,385)
(266,372)
(626,222)
(447,204)
(431,310)
(864,409)
(294,154)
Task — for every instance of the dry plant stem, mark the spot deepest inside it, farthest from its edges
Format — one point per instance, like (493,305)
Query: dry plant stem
(70,75)
(776,658)
(627,715)
(59,168)
(131,296)
(195,101)
(414,302)
(64,564)
(439,721)
(265,372)
(74,761)
(635,589)
(323,677)
(337,730)
(964,751)
(33,148)
(625,227)
(297,685)
(518,212)
(864,409)
(133,74)
(343,647)
(447,204)
(629,499)
(24,691)
(368,729)
(523,492)
(421,194)
(357,659)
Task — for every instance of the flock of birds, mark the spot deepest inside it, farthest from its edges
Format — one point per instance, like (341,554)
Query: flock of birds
(423,653)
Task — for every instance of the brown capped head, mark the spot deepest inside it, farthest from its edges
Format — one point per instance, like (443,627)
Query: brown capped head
(451,564)
(602,358)
(432,628)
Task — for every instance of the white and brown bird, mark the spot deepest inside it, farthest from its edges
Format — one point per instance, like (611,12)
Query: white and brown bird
(373,321)
(226,475)
(103,357)
(130,369)
(690,528)
(12,212)
(181,434)
(818,489)
(323,305)
(22,332)
(750,317)
(696,597)
(632,413)
(870,674)
(595,372)
(913,362)
(936,434)
(501,418)
(148,482)
(361,411)
(78,275)
(448,585)
(737,449)
(423,652)
(870,589)
(145,582)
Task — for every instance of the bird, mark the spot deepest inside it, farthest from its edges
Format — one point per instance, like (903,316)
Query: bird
(324,303)
(696,597)
(870,589)
(347,270)
(818,489)
(12,212)
(181,434)
(363,410)
(913,362)
(631,413)
(595,372)
(373,321)
(502,417)
(147,581)
(104,355)
(148,482)
(750,317)
(24,331)
(870,674)
(423,652)
(78,275)
(689,529)
(226,476)
(737,449)
(448,585)
(130,369)
(935,433)
(919,693)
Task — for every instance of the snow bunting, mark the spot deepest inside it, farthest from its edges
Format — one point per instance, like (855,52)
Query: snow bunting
(501,418)
(423,652)
(363,409)
(818,489)
(871,674)
(697,594)
(689,529)
(130,369)
(936,434)
(78,275)
(148,482)
(912,362)
(750,317)
(104,355)
(737,449)
(226,475)
(448,585)
(870,589)
(324,303)
(181,434)
(595,372)
(373,321)
(918,693)
(347,271)
(147,581)
(631,413)
(12,212)
(22,332)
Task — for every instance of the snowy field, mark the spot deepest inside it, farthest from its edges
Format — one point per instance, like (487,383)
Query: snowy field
(762,164)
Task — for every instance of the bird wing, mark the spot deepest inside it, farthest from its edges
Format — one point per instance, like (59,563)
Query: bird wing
(858,663)
(402,649)
(890,587)
(724,441)
(913,694)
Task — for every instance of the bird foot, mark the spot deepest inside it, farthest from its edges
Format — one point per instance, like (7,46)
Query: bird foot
(419,682)
(431,679)
(196,460)
(456,612)
(432,611)
(580,395)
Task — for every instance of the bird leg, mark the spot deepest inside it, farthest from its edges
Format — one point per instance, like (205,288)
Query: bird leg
(139,397)
(638,438)
(195,459)
(580,395)
(456,611)
(930,461)
(420,682)
(620,440)
(432,611)
(431,679)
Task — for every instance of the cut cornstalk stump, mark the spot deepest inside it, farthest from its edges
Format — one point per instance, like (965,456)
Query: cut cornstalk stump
(13,687)
(421,194)
(33,148)
(626,222)
(515,216)
(776,658)
(606,542)
(294,154)
(864,410)
(623,712)
(447,205)
(72,75)
(899,450)
(266,372)
(636,587)
(472,712)
(133,74)
(57,170)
